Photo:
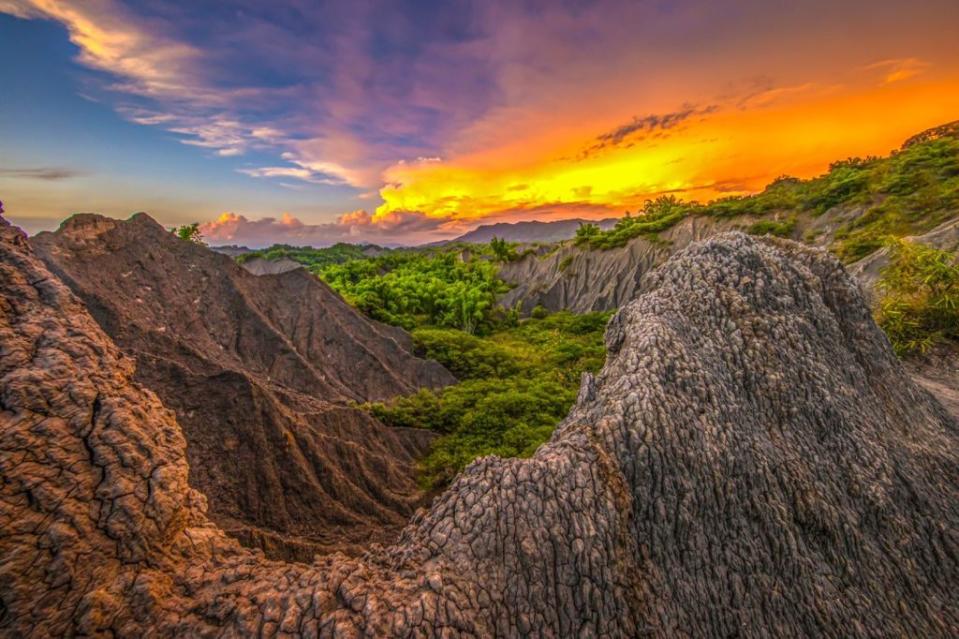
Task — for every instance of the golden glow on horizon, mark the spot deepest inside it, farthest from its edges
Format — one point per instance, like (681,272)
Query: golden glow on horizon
(737,149)
(514,112)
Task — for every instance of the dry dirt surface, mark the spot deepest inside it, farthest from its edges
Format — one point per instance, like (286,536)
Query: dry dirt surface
(751,461)
(260,372)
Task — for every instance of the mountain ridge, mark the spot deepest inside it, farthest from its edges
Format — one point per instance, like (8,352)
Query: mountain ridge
(527,232)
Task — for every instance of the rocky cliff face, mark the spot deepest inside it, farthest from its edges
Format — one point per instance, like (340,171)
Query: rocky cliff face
(260,372)
(752,461)
(581,281)
(598,280)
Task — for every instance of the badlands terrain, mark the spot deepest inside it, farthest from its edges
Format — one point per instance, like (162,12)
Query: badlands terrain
(191,446)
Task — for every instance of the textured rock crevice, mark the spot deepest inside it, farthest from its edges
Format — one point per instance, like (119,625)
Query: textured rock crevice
(751,461)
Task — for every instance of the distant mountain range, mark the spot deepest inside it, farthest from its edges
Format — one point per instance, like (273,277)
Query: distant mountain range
(531,231)
(231,249)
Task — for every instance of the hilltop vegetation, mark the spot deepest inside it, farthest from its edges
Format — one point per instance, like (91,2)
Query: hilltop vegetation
(908,193)
(454,286)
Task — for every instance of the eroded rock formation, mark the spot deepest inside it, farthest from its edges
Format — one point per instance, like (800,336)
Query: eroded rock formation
(260,372)
(751,461)
(580,280)
(261,266)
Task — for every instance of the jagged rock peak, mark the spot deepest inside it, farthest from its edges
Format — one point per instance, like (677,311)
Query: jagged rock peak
(751,461)
(86,226)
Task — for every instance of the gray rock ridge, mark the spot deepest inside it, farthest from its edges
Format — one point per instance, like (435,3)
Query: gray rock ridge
(751,461)
(580,280)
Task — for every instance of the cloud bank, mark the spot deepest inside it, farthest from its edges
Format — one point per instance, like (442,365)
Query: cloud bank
(355,227)
(39,173)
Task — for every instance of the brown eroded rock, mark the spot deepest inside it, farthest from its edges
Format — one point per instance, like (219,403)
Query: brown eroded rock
(751,461)
(260,372)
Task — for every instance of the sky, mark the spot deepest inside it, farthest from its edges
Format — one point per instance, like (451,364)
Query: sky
(307,122)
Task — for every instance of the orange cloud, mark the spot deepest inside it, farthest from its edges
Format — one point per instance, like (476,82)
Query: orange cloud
(107,40)
(357,218)
(723,151)
(899,69)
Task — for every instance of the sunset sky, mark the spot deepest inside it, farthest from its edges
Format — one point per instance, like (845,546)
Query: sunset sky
(314,122)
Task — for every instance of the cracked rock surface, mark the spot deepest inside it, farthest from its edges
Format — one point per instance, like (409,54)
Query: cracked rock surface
(751,461)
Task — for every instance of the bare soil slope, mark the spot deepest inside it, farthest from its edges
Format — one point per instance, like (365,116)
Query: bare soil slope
(260,372)
(751,461)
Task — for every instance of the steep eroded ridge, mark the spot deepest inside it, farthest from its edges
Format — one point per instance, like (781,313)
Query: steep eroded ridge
(752,460)
(260,372)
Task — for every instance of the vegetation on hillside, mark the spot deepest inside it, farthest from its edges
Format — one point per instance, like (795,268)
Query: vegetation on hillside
(411,289)
(516,385)
(503,250)
(657,215)
(518,379)
(908,193)
(189,232)
(919,306)
(312,258)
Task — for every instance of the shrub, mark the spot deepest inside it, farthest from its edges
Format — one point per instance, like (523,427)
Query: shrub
(919,303)
(503,250)
(190,233)
(466,356)
(539,312)
(507,417)
(780,228)
(416,288)
(586,233)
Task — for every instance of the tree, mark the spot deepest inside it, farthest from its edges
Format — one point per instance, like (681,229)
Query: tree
(190,233)
(503,250)
(586,233)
